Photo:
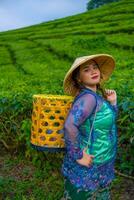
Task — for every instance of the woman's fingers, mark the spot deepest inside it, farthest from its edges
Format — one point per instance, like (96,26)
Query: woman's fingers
(109,91)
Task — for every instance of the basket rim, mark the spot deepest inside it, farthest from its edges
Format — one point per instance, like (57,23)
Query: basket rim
(52,96)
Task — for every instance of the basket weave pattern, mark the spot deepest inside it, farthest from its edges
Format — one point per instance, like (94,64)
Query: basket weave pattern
(48,116)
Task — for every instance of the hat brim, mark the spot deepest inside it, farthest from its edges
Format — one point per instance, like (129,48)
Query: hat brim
(106,64)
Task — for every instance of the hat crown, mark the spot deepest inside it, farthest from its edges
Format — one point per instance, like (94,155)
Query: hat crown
(80,59)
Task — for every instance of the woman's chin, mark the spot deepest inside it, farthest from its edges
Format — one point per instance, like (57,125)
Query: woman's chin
(94,82)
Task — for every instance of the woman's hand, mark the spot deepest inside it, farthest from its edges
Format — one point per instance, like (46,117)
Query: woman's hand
(111,96)
(86,160)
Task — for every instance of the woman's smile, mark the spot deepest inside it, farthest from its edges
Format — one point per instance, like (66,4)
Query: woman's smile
(94,77)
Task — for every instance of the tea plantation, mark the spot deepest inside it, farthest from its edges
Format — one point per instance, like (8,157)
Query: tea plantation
(34,60)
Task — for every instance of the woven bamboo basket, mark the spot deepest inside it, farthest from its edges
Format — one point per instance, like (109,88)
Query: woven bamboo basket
(48,116)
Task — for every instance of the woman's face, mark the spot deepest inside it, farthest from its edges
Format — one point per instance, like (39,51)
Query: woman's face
(89,74)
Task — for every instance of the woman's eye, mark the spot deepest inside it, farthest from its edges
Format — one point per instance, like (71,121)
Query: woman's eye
(86,70)
(95,66)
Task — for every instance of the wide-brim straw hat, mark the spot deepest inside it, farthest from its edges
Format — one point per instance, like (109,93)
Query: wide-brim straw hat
(106,65)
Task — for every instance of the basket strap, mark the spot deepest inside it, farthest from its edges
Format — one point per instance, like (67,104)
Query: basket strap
(90,92)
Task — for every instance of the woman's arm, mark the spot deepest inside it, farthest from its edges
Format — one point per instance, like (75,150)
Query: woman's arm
(112,98)
(115,108)
(81,109)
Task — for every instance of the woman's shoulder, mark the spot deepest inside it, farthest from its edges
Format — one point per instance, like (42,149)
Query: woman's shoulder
(86,95)
(85,101)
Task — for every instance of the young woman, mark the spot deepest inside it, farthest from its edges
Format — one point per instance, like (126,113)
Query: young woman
(90,130)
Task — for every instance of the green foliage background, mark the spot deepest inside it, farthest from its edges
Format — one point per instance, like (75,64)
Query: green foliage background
(93,4)
(35,60)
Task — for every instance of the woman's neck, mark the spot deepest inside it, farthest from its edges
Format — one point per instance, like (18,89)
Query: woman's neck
(93,88)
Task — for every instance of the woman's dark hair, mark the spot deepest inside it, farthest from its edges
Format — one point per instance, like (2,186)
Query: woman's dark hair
(75,75)
(102,90)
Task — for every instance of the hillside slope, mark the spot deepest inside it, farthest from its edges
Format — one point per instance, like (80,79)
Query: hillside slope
(35,59)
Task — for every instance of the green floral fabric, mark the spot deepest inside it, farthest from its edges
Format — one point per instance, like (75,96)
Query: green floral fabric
(73,193)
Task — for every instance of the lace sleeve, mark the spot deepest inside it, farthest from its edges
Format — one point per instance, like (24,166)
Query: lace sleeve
(81,109)
(115,109)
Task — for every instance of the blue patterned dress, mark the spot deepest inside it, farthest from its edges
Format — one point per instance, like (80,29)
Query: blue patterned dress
(103,142)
